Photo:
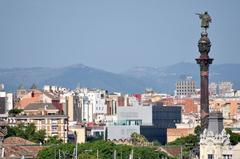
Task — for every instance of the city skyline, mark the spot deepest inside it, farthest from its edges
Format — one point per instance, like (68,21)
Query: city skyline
(113,36)
(110,79)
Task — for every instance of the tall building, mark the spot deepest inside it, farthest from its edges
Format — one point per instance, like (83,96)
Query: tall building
(225,87)
(185,87)
(74,106)
(94,106)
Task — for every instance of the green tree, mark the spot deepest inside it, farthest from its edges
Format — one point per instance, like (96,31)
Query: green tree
(234,138)
(189,142)
(27,132)
(138,139)
(38,136)
(53,151)
(105,150)
(197,130)
(14,112)
(53,140)
(86,156)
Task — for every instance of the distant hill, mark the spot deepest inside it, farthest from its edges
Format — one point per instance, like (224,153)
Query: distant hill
(164,78)
(133,80)
(69,77)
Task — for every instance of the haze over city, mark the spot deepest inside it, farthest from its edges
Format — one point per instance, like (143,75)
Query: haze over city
(129,79)
(114,35)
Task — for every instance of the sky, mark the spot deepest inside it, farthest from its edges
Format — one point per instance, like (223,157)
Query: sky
(114,35)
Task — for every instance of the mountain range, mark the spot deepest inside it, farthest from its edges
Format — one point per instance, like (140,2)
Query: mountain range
(134,80)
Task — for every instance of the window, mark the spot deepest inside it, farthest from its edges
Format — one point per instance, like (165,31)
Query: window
(227,156)
(54,121)
(54,127)
(238,109)
(210,156)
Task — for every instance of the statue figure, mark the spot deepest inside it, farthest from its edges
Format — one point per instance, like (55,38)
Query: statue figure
(206,19)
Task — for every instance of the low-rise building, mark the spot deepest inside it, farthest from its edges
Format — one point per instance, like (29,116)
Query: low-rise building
(149,121)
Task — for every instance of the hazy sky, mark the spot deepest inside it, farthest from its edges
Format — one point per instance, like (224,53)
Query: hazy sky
(114,34)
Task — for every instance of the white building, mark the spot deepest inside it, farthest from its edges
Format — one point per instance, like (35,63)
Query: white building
(128,120)
(6,101)
(9,102)
(134,115)
(123,132)
(225,88)
(214,142)
(92,104)
(213,88)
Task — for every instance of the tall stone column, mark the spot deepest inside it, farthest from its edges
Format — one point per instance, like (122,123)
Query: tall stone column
(204,45)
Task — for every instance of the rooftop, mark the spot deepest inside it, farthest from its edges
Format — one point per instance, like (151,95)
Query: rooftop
(36,106)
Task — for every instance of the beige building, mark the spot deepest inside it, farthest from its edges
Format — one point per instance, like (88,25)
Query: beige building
(44,116)
(79,132)
(74,106)
(230,107)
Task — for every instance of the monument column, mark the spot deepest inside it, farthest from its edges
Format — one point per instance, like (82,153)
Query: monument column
(204,45)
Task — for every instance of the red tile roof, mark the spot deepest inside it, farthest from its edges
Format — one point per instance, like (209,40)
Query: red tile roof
(174,151)
(18,147)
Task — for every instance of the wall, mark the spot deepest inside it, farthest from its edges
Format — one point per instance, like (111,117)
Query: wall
(121,131)
(138,112)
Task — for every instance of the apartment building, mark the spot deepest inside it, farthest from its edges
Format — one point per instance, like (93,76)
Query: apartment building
(44,116)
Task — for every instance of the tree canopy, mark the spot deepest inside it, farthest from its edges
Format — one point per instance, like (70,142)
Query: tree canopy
(189,142)
(53,140)
(27,132)
(15,111)
(138,139)
(234,137)
(105,150)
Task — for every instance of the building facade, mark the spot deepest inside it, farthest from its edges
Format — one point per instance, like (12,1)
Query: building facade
(45,117)
(149,121)
(185,87)
(214,141)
